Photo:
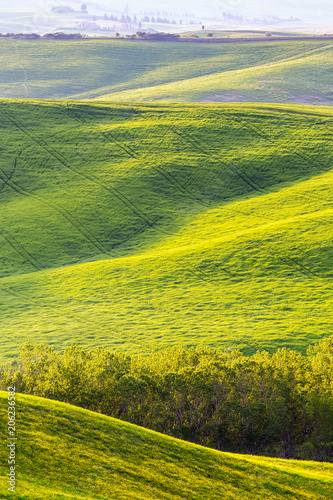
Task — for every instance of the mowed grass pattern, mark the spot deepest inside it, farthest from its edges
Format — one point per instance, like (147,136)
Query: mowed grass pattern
(137,227)
(125,70)
(65,452)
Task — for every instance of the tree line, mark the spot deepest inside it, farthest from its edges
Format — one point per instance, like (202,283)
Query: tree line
(35,36)
(279,404)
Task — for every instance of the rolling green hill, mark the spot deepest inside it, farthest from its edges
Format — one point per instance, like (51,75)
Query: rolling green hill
(305,79)
(119,70)
(246,33)
(136,227)
(65,452)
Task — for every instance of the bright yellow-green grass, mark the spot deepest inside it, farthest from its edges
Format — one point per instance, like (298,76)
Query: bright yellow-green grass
(305,78)
(120,70)
(69,453)
(137,227)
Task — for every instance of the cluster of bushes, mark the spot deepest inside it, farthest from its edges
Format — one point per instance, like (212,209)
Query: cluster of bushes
(277,404)
(34,36)
(62,36)
(62,9)
(156,36)
(30,36)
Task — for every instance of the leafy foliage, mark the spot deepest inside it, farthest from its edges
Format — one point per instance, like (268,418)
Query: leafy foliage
(279,405)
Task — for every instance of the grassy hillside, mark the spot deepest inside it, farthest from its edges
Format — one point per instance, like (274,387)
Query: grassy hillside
(65,452)
(246,33)
(134,227)
(304,79)
(190,72)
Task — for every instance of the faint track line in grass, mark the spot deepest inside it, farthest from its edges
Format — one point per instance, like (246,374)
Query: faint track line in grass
(33,302)
(67,215)
(198,171)
(209,277)
(18,296)
(160,170)
(286,147)
(304,156)
(295,111)
(129,151)
(59,157)
(140,231)
(176,184)
(245,125)
(8,177)
(116,192)
(20,250)
(288,261)
(185,189)
(132,153)
(291,263)
(245,178)
(306,269)
(197,274)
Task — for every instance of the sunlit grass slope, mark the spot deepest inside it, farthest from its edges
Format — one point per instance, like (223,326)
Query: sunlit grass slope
(135,227)
(70,453)
(191,71)
(305,79)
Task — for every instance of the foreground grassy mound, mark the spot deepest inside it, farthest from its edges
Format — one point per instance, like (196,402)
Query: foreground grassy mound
(295,71)
(136,227)
(277,405)
(70,453)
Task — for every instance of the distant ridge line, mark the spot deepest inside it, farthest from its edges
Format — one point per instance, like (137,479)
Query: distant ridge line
(237,40)
(169,37)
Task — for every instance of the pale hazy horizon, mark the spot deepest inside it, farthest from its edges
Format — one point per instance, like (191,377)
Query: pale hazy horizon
(309,14)
(255,7)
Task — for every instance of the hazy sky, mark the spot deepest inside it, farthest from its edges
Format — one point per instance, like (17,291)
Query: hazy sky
(300,8)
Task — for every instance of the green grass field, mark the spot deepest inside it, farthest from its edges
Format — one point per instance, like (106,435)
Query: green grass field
(136,227)
(65,452)
(124,70)
(302,79)
(246,33)
(135,224)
